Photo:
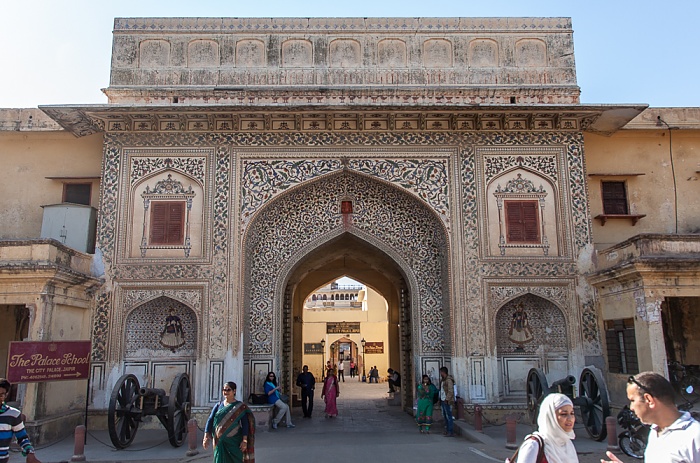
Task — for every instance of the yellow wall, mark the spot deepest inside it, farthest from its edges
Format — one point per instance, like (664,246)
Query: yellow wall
(374,327)
(27,158)
(645,152)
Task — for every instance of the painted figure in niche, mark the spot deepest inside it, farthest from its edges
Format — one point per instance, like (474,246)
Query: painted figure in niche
(172,336)
(520,332)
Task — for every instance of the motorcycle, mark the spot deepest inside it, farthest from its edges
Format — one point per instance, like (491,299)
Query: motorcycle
(632,441)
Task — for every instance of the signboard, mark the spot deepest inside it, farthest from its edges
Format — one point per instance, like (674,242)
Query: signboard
(342,327)
(313,348)
(374,347)
(32,362)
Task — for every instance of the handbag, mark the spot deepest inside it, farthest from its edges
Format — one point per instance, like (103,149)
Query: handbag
(540,452)
(284,398)
(257,399)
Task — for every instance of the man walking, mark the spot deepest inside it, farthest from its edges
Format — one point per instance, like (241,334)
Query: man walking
(447,401)
(674,436)
(11,424)
(341,369)
(307,383)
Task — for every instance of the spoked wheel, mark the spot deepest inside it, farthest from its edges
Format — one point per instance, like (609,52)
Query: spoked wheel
(537,390)
(124,414)
(632,446)
(179,409)
(593,400)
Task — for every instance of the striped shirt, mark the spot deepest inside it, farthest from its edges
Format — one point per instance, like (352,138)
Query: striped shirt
(11,424)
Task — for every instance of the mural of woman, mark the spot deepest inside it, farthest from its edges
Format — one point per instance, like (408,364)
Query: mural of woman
(173,335)
(520,332)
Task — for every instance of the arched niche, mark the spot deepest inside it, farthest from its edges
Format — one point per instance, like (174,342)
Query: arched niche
(530,332)
(530,53)
(437,53)
(202,53)
(166,186)
(154,53)
(250,53)
(391,53)
(297,53)
(483,53)
(522,185)
(345,53)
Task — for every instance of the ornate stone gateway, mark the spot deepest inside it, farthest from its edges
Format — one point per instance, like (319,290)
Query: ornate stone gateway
(238,151)
(393,221)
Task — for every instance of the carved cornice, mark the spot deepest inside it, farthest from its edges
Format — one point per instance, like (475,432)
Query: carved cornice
(85,120)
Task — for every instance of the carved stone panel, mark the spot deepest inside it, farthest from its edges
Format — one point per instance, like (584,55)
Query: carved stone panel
(391,53)
(154,54)
(437,53)
(297,53)
(530,53)
(483,53)
(202,53)
(250,53)
(345,53)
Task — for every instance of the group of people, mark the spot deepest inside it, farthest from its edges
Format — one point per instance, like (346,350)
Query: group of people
(674,435)
(427,395)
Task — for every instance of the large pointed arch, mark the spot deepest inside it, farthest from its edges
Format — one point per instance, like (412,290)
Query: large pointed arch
(289,228)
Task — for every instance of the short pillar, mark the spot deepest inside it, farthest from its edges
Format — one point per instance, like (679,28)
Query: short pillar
(611,425)
(459,405)
(192,440)
(79,445)
(478,418)
(511,437)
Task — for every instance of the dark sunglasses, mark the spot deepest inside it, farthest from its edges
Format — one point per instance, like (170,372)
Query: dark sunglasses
(632,380)
(227,389)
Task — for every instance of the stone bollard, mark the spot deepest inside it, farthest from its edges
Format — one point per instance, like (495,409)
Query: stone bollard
(459,406)
(192,440)
(611,425)
(478,418)
(79,445)
(511,437)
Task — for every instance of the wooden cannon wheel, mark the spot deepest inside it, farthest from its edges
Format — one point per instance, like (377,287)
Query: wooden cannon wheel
(179,409)
(593,402)
(537,390)
(124,413)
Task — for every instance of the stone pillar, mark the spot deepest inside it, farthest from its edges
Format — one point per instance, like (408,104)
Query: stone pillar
(651,348)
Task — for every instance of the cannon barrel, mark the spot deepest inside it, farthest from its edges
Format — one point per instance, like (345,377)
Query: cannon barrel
(151,392)
(566,381)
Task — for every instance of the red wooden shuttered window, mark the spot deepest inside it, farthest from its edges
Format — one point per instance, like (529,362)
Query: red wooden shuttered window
(614,198)
(167,222)
(522,222)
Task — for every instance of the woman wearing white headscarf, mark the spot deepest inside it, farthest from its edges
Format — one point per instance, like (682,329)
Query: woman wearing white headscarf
(556,428)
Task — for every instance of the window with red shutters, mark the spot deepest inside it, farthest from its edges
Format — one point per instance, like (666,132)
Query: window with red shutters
(522,222)
(167,222)
(614,198)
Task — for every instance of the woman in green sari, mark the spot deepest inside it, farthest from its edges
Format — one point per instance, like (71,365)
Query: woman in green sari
(232,426)
(426,393)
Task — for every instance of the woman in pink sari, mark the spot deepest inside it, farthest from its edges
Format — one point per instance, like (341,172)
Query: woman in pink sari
(330,393)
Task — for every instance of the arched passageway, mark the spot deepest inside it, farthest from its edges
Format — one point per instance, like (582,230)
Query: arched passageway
(345,224)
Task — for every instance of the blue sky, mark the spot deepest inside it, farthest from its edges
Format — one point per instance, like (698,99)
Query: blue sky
(58,52)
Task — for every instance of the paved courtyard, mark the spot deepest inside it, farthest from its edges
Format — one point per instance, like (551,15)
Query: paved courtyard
(367,429)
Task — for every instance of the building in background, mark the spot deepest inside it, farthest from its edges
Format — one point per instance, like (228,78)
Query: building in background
(446,163)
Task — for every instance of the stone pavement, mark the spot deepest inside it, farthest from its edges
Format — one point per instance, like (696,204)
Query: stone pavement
(367,428)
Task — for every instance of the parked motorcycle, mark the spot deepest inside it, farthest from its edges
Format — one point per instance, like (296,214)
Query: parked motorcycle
(633,440)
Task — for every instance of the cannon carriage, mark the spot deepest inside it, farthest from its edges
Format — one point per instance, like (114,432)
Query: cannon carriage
(130,403)
(592,400)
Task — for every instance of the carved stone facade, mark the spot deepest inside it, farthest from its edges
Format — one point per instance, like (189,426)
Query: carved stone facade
(265,127)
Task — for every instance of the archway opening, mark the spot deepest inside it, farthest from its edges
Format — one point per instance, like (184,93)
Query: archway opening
(374,313)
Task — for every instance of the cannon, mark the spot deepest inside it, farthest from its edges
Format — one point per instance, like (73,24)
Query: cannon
(592,397)
(129,403)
